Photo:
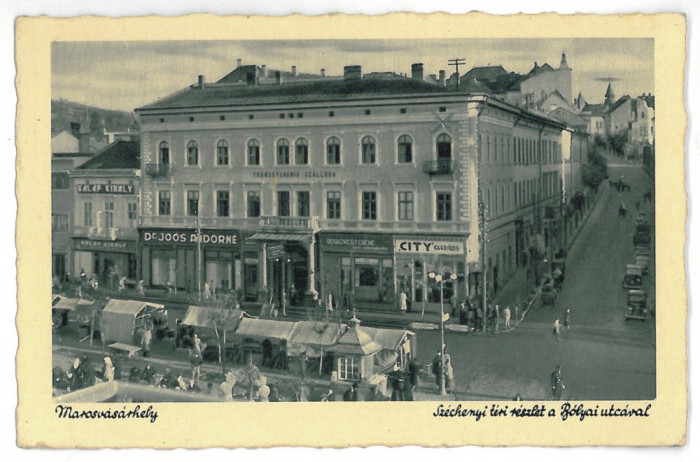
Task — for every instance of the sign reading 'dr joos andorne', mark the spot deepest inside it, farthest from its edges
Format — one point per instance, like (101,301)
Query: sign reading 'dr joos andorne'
(189,236)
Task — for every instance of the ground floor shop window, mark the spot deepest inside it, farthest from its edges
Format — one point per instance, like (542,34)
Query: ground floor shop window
(163,267)
(348,368)
(219,269)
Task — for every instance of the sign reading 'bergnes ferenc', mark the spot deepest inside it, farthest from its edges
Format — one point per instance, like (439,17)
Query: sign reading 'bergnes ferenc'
(109,188)
(189,236)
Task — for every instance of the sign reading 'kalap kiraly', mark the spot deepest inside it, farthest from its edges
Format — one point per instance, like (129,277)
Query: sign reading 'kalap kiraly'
(426,246)
(109,188)
(189,236)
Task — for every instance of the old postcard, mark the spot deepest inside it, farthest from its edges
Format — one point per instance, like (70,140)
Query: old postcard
(430,228)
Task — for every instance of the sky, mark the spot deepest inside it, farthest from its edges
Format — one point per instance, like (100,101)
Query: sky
(127,75)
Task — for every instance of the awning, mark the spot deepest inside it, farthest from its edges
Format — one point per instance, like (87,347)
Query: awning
(316,333)
(119,319)
(265,328)
(201,316)
(299,237)
(388,339)
(131,307)
(356,342)
(64,303)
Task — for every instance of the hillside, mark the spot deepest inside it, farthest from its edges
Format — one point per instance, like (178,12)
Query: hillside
(63,113)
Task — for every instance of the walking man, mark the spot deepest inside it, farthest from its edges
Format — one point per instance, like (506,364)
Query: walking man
(567,319)
(146,341)
(558,386)
(555,329)
(207,291)
(140,287)
(403,301)
(506,316)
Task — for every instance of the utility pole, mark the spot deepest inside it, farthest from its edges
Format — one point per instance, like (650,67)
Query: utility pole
(482,257)
(199,261)
(456,63)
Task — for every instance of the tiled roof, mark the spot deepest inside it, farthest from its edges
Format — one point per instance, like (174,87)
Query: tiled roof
(212,95)
(485,73)
(120,154)
(649,99)
(506,82)
(594,109)
(618,103)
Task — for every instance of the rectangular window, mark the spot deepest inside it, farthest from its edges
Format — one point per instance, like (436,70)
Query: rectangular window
(87,214)
(164,203)
(222,203)
(59,181)
(192,154)
(59,222)
(193,203)
(369,205)
(253,203)
(302,153)
(303,204)
(283,204)
(109,214)
(222,154)
(444,206)
(333,203)
(406,205)
(348,368)
(253,153)
(131,211)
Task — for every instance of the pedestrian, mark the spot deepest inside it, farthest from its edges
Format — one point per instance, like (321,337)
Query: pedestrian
(146,341)
(226,387)
(197,344)
(263,390)
(555,329)
(453,304)
(329,396)
(413,373)
(463,313)
(274,394)
(213,290)
(207,291)
(329,303)
(351,393)
(122,284)
(557,381)
(506,317)
(437,367)
(449,373)
(567,319)
(496,317)
(140,287)
(108,370)
(195,364)
(403,301)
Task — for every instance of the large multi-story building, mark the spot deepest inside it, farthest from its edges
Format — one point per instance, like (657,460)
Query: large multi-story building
(355,186)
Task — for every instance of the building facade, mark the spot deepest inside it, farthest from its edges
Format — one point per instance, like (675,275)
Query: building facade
(104,238)
(356,187)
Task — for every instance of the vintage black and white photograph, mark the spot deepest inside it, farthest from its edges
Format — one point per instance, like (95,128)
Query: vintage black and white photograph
(460,219)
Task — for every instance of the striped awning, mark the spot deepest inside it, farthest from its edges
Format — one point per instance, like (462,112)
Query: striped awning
(281,237)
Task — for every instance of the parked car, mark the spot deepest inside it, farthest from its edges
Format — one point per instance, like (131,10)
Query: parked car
(633,277)
(637,305)
(549,294)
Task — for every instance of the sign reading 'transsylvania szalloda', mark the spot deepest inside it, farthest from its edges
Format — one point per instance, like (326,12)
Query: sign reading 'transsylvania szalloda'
(189,236)
(109,188)
(428,246)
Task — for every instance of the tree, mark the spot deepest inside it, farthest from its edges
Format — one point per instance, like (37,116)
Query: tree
(224,317)
(617,141)
(595,171)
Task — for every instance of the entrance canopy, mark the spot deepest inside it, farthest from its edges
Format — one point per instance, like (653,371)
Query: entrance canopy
(281,237)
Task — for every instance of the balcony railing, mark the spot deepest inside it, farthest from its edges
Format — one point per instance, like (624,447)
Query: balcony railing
(157,170)
(438,167)
(303,223)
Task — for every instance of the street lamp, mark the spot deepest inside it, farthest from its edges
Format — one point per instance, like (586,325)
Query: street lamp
(441,281)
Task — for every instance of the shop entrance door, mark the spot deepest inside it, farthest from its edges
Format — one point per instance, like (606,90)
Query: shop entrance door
(250,274)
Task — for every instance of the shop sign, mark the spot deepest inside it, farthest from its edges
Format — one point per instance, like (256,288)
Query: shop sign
(116,246)
(294,174)
(109,188)
(428,246)
(355,242)
(189,236)
(275,251)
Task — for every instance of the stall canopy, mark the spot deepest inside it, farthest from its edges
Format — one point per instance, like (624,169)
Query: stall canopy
(119,318)
(311,337)
(265,328)
(211,318)
(395,345)
(59,302)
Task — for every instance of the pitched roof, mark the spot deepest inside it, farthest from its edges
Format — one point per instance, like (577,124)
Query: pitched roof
(485,73)
(120,154)
(571,120)
(618,103)
(212,95)
(594,109)
(649,99)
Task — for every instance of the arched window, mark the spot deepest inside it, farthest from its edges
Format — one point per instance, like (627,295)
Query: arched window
(192,153)
(368,150)
(282,152)
(164,152)
(253,152)
(405,145)
(222,152)
(302,151)
(333,150)
(444,148)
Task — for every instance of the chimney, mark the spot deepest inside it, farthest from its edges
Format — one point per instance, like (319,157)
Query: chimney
(278,77)
(442,78)
(239,62)
(264,70)
(250,78)
(294,71)
(84,138)
(417,71)
(323,72)
(75,129)
(200,81)
(352,72)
